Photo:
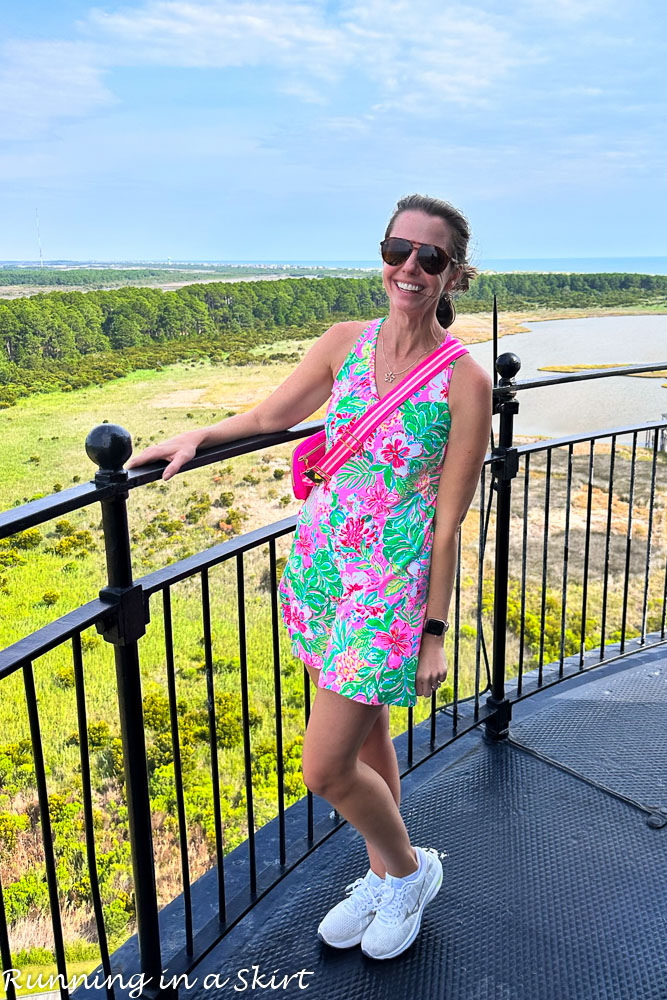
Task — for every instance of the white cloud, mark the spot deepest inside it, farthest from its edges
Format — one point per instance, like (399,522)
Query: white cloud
(42,81)
(412,55)
(405,63)
(423,57)
(223,33)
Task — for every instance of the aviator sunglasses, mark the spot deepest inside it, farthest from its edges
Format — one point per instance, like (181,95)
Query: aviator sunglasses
(433,260)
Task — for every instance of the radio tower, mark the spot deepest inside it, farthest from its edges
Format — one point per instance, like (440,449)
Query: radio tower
(39,241)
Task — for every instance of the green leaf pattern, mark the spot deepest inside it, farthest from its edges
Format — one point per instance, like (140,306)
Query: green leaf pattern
(354,589)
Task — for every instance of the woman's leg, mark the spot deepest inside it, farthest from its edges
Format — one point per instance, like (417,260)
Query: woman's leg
(336,770)
(378,752)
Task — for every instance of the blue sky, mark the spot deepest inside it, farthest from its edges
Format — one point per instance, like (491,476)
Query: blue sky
(287,129)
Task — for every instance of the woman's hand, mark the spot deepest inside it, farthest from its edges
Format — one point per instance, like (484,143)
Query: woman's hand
(177,451)
(431,667)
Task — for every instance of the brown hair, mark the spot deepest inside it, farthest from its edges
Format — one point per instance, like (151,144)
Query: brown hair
(445,313)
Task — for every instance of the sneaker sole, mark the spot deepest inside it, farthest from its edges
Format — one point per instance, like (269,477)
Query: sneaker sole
(350,943)
(430,895)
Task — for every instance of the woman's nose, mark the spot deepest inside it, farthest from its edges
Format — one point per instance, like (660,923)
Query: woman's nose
(411,263)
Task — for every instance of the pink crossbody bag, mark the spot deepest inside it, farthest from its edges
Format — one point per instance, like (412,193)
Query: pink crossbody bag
(312,464)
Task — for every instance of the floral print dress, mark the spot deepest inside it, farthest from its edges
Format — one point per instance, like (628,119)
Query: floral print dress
(354,589)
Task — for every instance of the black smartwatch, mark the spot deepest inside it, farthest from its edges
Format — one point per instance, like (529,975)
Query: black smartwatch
(435,626)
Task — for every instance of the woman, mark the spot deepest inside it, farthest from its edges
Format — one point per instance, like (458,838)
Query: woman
(366,590)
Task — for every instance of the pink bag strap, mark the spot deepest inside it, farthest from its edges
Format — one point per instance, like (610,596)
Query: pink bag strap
(449,351)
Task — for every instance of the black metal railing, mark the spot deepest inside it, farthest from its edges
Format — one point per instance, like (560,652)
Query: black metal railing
(554,640)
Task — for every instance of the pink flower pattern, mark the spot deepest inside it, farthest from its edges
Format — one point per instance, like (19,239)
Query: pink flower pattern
(353,591)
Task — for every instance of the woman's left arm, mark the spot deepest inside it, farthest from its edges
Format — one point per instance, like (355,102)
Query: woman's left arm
(470,405)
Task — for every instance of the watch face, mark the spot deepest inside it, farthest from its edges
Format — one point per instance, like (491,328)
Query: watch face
(434,626)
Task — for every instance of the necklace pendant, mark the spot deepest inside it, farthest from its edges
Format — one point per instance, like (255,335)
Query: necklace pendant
(389,377)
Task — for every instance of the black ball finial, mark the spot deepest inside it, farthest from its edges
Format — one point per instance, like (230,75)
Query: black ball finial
(109,446)
(507,365)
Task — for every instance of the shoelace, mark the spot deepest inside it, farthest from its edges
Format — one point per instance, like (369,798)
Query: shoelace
(391,899)
(361,895)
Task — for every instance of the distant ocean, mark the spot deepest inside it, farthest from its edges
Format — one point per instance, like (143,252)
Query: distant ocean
(579,265)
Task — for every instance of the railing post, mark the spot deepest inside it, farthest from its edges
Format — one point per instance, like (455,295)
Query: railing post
(504,467)
(109,447)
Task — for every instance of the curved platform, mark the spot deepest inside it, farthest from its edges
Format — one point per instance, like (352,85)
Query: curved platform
(554,848)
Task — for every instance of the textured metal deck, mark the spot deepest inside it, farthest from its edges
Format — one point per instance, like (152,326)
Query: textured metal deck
(555,888)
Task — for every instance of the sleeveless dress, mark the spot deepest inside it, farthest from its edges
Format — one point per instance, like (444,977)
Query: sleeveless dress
(354,589)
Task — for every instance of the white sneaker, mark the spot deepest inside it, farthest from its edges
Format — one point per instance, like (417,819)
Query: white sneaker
(398,918)
(345,923)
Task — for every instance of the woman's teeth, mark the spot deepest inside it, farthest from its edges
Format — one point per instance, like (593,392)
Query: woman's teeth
(403,285)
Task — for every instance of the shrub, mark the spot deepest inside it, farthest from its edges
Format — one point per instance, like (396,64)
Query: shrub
(116,918)
(156,712)
(27,539)
(10,557)
(89,641)
(198,506)
(284,500)
(251,479)
(16,766)
(65,676)
(160,752)
(34,956)
(99,734)
(162,523)
(235,517)
(64,527)
(10,824)
(81,951)
(228,721)
(50,597)
(278,473)
(74,543)
(29,893)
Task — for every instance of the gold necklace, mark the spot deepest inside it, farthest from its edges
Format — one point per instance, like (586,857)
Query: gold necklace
(391,375)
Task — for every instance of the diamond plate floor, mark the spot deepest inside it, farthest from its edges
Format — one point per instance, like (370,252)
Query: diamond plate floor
(553,889)
(610,731)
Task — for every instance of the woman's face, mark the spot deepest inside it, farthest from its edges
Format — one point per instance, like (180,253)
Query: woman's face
(410,289)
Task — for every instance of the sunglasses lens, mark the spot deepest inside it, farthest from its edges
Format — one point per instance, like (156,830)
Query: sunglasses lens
(395,250)
(432,259)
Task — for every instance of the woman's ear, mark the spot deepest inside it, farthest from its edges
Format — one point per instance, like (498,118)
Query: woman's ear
(453,279)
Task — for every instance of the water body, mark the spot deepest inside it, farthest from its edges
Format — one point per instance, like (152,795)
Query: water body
(543,265)
(578,265)
(572,265)
(555,411)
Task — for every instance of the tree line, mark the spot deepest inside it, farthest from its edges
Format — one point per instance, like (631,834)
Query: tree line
(67,339)
(106,277)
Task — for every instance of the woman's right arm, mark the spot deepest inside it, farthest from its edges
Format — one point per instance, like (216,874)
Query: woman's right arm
(302,393)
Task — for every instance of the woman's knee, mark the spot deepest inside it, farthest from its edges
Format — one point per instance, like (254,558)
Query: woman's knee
(337,729)
(327,769)
(323,777)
